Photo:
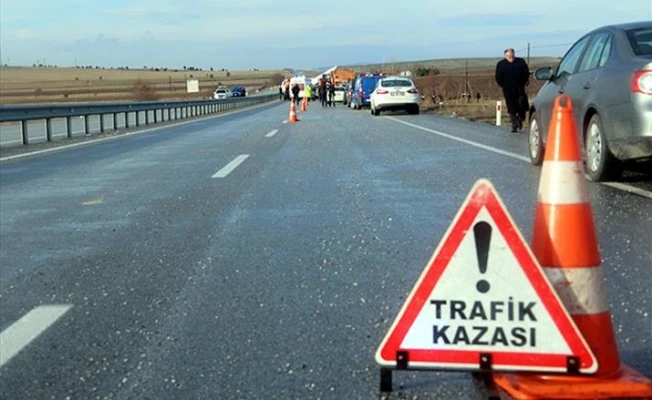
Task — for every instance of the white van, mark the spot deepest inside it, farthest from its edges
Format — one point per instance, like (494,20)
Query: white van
(302,81)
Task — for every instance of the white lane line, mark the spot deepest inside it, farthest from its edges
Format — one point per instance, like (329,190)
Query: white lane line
(465,141)
(272,133)
(615,185)
(629,189)
(228,168)
(29,327)
(285,121)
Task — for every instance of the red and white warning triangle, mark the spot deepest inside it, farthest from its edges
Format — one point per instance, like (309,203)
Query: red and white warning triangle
(483,296)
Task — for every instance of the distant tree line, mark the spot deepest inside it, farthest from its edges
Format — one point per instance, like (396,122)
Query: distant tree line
(426,71)
(126,68)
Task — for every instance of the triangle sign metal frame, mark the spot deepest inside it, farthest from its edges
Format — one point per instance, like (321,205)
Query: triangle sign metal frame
(390,353)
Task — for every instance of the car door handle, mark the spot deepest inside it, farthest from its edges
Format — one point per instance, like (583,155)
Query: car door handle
(587,85)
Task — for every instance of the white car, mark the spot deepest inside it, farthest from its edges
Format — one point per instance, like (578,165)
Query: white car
(338,97)
(395,93)
(221,93)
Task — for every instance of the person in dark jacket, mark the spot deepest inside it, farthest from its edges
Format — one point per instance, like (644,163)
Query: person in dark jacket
(331,95)
(512,75)
(295,93)
(323,94)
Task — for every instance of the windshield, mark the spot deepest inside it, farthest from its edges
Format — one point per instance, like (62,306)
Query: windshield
(640,40)
(396,83)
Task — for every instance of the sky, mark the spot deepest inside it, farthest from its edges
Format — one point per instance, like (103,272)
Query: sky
(271,34)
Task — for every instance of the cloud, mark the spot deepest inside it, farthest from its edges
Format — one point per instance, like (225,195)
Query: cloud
(263,33)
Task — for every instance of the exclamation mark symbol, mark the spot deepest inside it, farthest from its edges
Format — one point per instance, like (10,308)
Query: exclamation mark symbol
(482,234)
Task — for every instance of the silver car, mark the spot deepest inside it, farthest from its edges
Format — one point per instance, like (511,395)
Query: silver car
(608,76)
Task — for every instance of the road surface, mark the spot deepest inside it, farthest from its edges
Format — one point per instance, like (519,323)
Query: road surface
(239,257)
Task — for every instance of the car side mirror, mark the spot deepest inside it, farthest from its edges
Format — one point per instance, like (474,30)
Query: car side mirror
(543,74)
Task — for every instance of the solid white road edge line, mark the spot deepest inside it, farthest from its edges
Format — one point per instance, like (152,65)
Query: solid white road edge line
(100,140)
(615,185)
(29,327)
(228,168)
(272,133)
(465,141)
(628,189)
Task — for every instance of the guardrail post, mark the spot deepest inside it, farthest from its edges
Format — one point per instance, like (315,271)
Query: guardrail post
(48,129)
(24,131)
(146,117)
(137,118)
(126,119)
(101,123)
(87,130)
(69,127)
(115,121)
(156,116)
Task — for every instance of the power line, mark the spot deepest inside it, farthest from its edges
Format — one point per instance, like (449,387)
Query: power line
(553,45)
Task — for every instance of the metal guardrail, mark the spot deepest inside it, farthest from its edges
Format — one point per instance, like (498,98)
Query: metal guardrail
(145,113)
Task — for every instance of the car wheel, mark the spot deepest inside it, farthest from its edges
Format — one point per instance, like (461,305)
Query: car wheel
(600,163)
(416,110)
(535,147)
(374,111)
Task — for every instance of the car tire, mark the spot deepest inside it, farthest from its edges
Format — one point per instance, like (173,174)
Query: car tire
(374,112)
(535,143)
(600,163)
(416,110)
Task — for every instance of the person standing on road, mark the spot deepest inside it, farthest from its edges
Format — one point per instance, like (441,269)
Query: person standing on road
(512,75)
(295,93)
(307,93)
(322,92)
(287,90)
(331,95)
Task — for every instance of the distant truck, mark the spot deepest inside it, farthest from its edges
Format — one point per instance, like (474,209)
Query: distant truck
(340,76)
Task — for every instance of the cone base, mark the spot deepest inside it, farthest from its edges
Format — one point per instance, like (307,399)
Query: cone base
(629,384)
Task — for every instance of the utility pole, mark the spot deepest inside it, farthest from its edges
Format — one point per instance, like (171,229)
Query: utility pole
(466,80)
(528,53)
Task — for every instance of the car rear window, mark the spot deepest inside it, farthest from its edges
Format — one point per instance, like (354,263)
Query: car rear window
(641,40)
(396,83)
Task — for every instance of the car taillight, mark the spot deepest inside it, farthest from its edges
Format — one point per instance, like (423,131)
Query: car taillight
(642,82)
(382,91)
(413,91)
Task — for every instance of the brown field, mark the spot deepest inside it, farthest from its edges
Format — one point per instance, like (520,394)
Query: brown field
(21,85)
(450,90)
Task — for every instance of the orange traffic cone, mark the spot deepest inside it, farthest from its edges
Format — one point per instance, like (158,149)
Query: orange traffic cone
(304,105)
(293,113)
(565,243)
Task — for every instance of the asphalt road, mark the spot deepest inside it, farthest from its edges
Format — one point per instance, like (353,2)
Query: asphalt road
(238,257)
